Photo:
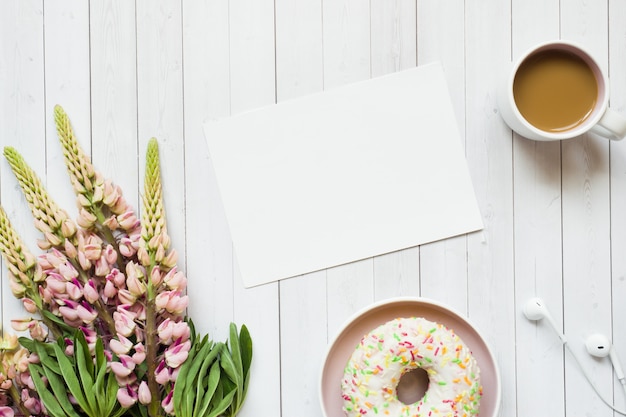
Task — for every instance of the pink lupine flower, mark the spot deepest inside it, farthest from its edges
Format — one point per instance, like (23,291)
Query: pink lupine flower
(111,193)
(90,292)
(144,394)
(168,404)
(123,324)
(70,249)
(126,247)
(6,412)
(29,305)
(134,281)
(74,289)
(172,301)
(118,278)
(69,311)
(126,396)
(67,271)
(160,254)
(17,288)
(52,238)
(52,259)
(102,267)
(124,367)
(181,331)
(111,223)
(109,290)
(85,219)
(37,331)
(126,297)
(140,353)
(162,373)
(143,255)
(170,259)
(176,354)
(156,277)
(92,251)
(164,331)
(175,280)
(21,325)
(86,312)
(128,220)
(56,283)
(120,346)
(68,228)
(5,384)
(83,261)
(110,255)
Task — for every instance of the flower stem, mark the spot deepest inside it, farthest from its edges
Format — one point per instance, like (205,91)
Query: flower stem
(154,408)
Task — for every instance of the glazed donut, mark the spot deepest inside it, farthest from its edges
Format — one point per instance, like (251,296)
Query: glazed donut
(385,354)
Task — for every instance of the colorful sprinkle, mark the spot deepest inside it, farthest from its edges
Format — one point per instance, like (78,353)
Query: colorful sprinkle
(393,349)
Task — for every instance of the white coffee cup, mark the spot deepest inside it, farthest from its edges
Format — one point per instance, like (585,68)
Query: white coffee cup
(599,119)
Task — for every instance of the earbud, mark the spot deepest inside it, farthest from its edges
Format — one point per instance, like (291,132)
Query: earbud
(536,310)
(597,345)
(600,346)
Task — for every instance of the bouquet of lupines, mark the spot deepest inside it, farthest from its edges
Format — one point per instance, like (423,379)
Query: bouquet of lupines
(108,334)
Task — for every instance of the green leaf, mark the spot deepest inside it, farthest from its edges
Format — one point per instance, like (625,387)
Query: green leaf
(85,366)
(49,401)
(71,379)
(213,382)
(59,389)
(245,342)
(223,404)
(206,362)
(229,367)
(185,380)
(235,349)
(27,343)
(46,354)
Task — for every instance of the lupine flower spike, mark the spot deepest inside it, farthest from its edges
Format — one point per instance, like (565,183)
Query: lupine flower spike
(108,333)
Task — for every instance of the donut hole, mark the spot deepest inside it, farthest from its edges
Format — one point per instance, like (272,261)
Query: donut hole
(412,386)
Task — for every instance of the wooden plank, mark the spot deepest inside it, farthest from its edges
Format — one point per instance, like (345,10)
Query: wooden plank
(393,36)
(346,34)
(206,96)
(114,95)
(303,342)
(22,123)
(160,105)
(441,37)
(538,258)
(489,155)
(299,48)
(67,82)
(349,288)
(586,227)
(252,75)
(393,48)
(397,274)
(303,331)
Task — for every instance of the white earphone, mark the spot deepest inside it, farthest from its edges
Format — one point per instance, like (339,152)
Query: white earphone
(536,310)
(598,345)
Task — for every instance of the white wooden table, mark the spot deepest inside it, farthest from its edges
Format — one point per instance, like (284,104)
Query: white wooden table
(554,213)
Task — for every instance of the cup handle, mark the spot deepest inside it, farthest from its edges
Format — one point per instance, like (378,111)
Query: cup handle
(612,126)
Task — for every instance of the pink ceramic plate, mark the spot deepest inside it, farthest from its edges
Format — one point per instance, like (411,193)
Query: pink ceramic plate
(363,322)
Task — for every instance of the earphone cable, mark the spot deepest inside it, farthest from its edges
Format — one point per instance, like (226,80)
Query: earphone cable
(595,388)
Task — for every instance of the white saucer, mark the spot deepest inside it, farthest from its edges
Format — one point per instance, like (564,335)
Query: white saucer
(341,348)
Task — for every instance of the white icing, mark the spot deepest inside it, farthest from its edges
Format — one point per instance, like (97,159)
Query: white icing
(399,346)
